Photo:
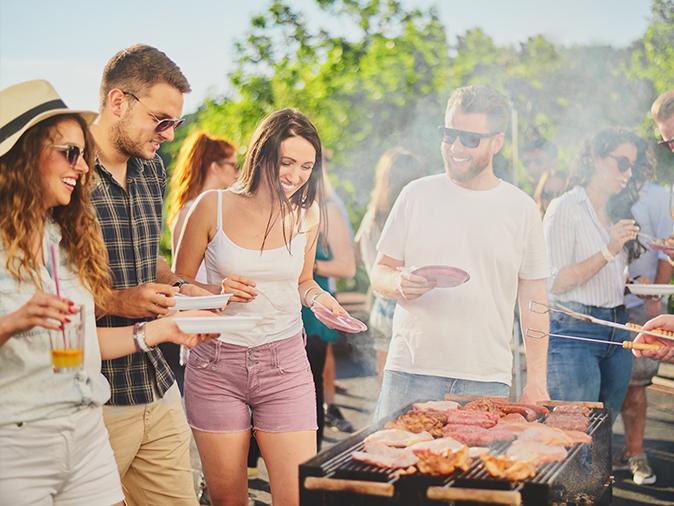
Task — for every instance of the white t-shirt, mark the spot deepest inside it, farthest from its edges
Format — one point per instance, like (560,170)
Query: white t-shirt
(497,237)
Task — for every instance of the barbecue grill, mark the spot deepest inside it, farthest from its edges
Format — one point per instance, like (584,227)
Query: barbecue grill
(332,478)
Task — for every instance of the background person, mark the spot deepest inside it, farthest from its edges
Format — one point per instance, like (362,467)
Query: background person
(586,246)
(395,168)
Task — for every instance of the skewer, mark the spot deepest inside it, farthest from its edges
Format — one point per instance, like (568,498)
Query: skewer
(539,334)
(540,308)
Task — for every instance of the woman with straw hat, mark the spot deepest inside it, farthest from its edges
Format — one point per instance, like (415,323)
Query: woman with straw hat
(55,448)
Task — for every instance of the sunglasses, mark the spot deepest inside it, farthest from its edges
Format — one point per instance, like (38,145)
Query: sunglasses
(162,124)
(667,144)
(623,163)
(70,151)
(468,139)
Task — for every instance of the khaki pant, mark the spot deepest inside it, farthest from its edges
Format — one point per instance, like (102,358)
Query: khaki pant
(151,443)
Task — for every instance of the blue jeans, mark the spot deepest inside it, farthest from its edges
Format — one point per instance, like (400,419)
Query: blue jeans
(400,388)
(584,371)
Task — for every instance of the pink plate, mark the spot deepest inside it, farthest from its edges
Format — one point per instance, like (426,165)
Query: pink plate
(445,276)
(347,323)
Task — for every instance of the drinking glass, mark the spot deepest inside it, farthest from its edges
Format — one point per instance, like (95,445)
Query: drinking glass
(67,345)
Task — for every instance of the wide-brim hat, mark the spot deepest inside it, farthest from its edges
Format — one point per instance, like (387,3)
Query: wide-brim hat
(26,104)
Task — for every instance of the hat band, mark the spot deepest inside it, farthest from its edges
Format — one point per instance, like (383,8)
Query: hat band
(19,122)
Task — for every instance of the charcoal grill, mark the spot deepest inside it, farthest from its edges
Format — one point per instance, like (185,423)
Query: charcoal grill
(333,478)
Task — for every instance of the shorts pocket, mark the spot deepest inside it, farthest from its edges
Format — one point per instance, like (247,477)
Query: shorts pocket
(291,361)
(202,357)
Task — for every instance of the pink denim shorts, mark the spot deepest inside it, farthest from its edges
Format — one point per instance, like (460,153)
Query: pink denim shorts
(225,383)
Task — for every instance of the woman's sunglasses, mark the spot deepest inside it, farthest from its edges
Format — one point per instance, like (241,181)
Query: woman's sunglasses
(162,124)
(468,139)
(70,151)
(623,163)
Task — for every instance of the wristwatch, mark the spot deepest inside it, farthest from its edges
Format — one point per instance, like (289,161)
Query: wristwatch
(178,284)
(139,338)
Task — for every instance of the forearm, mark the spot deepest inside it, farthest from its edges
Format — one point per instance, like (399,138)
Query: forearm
(536,348)
(115,342)
(663,276)
(308,289)
(385,281)
(575,275)
(6,328)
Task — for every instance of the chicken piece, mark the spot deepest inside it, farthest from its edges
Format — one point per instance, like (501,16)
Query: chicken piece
(501,466)
(398,438)
(419,421)
(440,446)
(435,406)
(442,465)
(547,435)
(380,455)
(535,453)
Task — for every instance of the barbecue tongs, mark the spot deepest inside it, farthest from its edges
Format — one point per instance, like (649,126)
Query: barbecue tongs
(540,308)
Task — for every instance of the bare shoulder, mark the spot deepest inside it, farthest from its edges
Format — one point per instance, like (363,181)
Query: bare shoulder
(205,205)
(312,217)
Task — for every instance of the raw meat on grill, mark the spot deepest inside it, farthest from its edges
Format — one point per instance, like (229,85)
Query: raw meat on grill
(419,421)
(479,418)
(381,455)
(536,453)
(525,411)
(502,407)
(501,466)
(442,465)
(439,446)
(473,435)
(568,421)
(398,438)
(435,406)
(551,435)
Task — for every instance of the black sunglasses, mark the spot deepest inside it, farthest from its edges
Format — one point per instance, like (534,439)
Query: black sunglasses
(70,151)
(623,163)
(468,139)
(162,124)
(667,144)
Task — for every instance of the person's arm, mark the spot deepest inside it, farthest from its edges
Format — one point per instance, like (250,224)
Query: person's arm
(41,310)
(343,262)
(198,230)
(575,275)
(142,301)
(116,342)
(536,388)
(178,227)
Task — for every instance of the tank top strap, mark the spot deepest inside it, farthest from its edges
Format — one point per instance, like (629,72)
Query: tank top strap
(219,229)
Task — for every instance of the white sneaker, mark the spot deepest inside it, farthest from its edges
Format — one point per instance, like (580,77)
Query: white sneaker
(642,473)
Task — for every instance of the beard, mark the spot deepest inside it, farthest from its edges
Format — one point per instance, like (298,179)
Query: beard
(475,168)
(125,144)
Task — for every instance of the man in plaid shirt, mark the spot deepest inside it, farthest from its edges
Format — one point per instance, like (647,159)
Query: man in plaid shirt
(141,103)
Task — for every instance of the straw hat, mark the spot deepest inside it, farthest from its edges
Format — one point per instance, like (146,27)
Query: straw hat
(26,104)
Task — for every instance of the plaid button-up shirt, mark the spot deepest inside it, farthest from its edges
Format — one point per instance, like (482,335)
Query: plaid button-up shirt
(131,222)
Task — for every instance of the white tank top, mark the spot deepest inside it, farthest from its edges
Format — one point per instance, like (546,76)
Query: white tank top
(276,273)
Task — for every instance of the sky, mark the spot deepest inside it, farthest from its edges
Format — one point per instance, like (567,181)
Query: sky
(68,42)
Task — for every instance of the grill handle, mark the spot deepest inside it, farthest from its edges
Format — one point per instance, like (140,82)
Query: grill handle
(355,486)
(505,497)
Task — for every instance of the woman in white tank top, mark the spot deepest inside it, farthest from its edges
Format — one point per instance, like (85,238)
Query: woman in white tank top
(258,242)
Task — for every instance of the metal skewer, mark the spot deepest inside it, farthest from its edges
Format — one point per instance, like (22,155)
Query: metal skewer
(539,334)
(540,308)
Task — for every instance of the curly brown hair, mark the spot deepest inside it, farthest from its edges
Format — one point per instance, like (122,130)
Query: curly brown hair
(22,215)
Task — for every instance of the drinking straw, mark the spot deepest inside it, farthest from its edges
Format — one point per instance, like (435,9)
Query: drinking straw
(55,276)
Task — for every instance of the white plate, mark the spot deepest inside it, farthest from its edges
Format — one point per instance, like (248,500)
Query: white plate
(215,324)
(643,289)
(184,303)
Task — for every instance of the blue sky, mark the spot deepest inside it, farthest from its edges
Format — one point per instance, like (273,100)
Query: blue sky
(69,41)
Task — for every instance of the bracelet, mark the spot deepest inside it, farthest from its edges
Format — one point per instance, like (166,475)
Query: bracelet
(608,256)
(306,292)
(313,299)
(139,338)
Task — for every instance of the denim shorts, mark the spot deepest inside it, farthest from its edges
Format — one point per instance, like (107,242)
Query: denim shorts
(226,383)
(401,388)
(585,371)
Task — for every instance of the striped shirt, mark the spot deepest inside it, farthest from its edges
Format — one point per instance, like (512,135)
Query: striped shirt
(573,233)
(131,222)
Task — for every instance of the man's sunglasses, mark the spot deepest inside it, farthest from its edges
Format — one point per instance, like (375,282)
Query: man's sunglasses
(468,139)
(70,151)
(162,124)
(667,144)
(623,163)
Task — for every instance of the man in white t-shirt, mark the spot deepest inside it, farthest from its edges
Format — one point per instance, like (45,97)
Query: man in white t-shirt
(457,340)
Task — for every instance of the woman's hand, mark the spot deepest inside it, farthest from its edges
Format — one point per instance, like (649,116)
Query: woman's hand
(165,330)
(620,233)
(41,310)
(329,302)
(241,288)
